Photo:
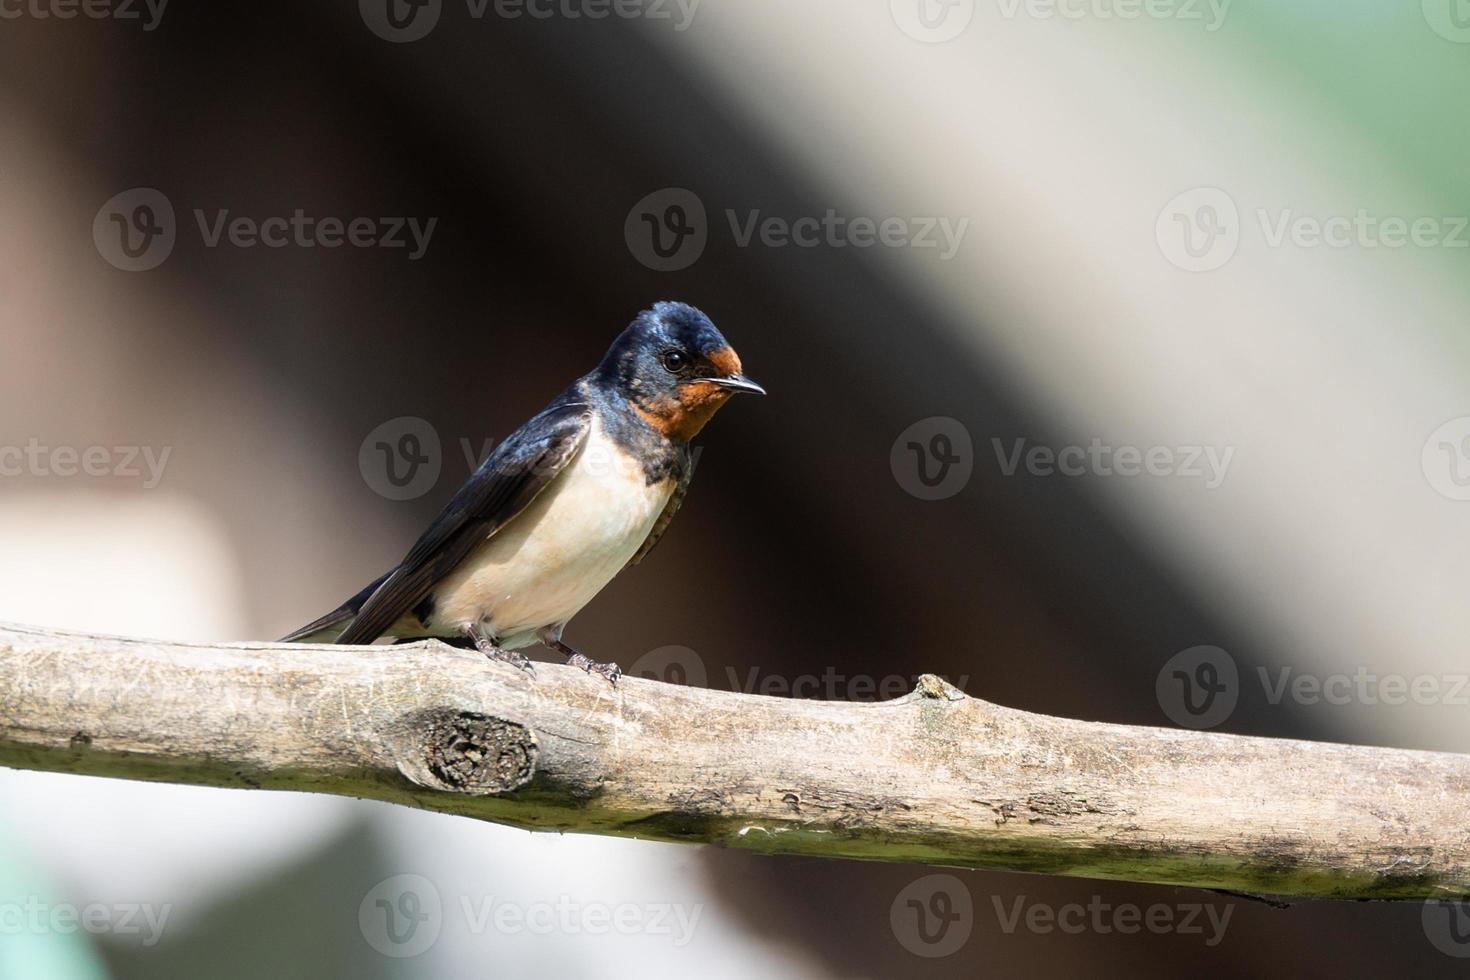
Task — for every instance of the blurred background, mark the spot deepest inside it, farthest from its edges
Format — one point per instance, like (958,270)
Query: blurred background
(1117,359)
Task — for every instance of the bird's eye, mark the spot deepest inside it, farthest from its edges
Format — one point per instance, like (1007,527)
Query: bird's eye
(674,361)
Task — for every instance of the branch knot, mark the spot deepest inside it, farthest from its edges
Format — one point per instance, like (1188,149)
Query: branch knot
(465,752)
(934,686)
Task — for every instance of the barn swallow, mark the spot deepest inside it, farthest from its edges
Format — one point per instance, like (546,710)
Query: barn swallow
(578,493)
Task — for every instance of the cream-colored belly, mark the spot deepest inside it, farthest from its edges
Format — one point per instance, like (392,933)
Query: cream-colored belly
(552,558)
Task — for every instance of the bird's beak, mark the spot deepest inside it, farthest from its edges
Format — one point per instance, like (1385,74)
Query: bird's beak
(737,383)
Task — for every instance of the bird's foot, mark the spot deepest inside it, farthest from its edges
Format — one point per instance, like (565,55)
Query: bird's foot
(494,651)
(513,657)
(610,671)
(552,638)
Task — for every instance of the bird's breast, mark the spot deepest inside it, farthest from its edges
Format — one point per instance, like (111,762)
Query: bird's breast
(601,504)
(553,557)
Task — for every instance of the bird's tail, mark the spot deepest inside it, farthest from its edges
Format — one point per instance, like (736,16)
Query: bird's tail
(327,628)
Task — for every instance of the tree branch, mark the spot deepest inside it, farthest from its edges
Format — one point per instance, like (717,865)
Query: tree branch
(934,777)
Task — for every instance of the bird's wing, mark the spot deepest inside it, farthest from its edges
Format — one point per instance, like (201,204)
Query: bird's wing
(509,479)
(670,509)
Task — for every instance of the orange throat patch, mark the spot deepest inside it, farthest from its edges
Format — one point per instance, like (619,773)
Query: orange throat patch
(680,418)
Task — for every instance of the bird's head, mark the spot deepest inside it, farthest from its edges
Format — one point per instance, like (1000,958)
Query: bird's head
(674,368)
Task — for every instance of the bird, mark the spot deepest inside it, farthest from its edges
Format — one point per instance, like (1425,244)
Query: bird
(583,490)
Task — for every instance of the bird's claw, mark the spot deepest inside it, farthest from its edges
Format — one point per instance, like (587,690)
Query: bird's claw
(609,671)
(513,657)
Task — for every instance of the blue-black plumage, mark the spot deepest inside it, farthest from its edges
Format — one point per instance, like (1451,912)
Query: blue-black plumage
(582,490)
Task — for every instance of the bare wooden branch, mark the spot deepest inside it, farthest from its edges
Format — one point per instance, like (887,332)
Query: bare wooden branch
(934,777)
